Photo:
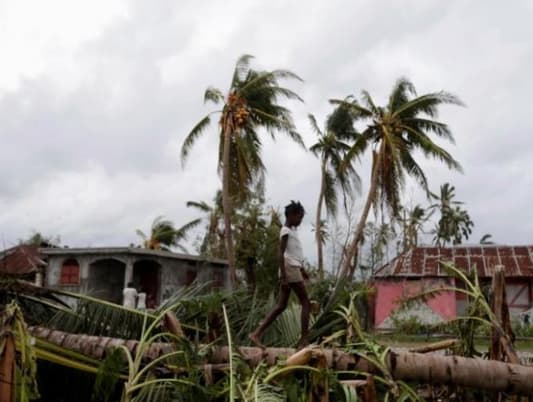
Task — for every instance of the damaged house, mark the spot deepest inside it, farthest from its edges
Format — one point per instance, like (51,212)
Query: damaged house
(419,269)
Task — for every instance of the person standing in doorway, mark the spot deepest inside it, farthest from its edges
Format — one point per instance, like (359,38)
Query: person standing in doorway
(129,296)
(141,300)
(291,275)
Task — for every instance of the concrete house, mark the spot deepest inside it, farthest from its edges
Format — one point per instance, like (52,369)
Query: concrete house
(419,269)
(104,271)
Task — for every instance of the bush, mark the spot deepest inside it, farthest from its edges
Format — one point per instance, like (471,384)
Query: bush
(409,325)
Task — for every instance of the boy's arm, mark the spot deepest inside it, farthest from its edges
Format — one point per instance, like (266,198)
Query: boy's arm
(282,248)
(304,273)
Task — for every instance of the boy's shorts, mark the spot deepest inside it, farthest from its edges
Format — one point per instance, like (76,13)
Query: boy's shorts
(293,273)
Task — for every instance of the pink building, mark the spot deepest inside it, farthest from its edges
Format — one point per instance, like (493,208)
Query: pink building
(419,269)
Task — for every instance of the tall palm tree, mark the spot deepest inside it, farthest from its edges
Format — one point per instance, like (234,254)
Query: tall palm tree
(395,132)
(164,235)
(251,103)
(334,175)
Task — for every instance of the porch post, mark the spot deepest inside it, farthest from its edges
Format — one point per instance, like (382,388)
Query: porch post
(128,272)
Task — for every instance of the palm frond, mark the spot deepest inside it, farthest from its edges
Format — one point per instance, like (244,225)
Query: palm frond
(430,148)
(400,94)
(330,194)
(242,68)
(352,105)
(213,95)
(260,81)
(340,122)
(181,233)
(191,138)
(314,124)
(439,129)
(427,104)
(369,102)
(202,206)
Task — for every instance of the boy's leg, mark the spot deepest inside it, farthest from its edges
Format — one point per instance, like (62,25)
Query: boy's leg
(301,292)
(283,299)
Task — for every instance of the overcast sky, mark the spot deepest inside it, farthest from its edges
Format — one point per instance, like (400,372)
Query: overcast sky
(97,97)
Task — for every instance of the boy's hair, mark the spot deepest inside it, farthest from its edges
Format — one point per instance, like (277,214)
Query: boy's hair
(294,208)
(130,284)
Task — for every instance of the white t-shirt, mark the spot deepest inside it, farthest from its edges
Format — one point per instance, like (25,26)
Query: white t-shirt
(293,253)
(129,297)
(141,301)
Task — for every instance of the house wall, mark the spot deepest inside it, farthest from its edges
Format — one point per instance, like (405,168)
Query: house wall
(174,274)
(519,294)
(391,292)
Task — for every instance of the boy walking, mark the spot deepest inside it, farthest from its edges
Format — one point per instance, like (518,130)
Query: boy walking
(292,275)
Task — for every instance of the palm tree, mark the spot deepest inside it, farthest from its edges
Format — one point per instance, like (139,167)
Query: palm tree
(251,103)
(213,242)
(164,235)
(395,132)
(454,223)
(334,175)
(412,222)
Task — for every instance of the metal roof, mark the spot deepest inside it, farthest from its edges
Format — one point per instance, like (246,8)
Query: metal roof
(64,251)
(424,261)
(21,259)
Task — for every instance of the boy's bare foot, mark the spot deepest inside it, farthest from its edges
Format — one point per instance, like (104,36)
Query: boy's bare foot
(255,340)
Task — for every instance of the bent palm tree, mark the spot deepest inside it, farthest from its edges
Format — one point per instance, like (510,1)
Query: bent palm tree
(250,104)
(164,235)
(331,150)
(395,132)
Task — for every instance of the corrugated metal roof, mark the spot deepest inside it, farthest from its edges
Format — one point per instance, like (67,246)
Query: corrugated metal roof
(424,261)
(20,260)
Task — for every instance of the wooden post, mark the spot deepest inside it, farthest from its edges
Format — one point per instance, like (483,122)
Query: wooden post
(502,334)
(498,285)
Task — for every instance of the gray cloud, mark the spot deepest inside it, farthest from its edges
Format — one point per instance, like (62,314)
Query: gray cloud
(90,140)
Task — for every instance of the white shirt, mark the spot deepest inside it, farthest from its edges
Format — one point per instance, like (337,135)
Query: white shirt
(293,254)
(129,297)
(141,301)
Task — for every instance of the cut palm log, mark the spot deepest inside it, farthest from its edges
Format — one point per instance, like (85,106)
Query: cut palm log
(407,366)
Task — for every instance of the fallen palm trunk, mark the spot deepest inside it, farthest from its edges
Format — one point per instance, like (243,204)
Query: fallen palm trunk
(429,369)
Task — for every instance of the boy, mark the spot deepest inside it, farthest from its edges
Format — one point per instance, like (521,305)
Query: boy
(292,275)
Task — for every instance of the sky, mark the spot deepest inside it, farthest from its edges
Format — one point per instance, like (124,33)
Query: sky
(97,97)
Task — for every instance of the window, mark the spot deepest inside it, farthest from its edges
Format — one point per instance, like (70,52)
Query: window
(70,272)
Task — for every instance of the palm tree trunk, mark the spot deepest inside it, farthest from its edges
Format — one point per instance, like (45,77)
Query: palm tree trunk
(350,256)
(226,203)
(7,369)
(487,375)
(318,222)
(348,266)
